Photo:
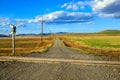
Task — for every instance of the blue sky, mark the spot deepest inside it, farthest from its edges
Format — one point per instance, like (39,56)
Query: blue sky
(59,15)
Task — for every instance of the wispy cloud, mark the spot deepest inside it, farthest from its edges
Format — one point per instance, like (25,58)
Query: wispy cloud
(21,22)
(75,5)
(4,21)
(103,8)
(107,8)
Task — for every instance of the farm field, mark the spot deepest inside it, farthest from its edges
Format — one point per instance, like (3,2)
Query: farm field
(97,44)
(24,45)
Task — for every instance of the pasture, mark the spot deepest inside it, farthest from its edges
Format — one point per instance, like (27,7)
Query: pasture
(97,44)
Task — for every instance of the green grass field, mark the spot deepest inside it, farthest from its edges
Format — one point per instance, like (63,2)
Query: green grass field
(101,42)
(97,44)
(24,45)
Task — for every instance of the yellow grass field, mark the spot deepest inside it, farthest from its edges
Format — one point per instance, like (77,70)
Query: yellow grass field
(25,45)
(97,44)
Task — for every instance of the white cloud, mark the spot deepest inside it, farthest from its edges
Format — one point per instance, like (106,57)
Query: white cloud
(31,20)
(8,22)
(64,5)
(75,5)
(62,17)
(112,15)
(4,21)
(107,8)
(21,20)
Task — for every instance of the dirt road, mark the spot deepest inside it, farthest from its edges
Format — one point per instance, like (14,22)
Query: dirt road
(61,52)
(62,70)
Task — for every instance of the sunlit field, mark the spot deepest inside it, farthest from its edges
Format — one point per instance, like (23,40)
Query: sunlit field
(97,44)
(25,45)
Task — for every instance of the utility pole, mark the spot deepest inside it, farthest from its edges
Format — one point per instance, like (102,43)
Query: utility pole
(13,27)
(50,34)
(42,22)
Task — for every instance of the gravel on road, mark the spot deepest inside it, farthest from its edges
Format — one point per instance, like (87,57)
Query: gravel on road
(60,71)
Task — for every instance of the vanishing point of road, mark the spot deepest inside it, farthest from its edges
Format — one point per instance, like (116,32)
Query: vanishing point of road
(60,63)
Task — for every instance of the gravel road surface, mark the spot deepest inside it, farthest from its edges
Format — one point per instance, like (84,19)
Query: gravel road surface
(60,71)
(61,52)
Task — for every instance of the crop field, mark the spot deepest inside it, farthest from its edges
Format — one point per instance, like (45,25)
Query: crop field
(24,45)
(97,44)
